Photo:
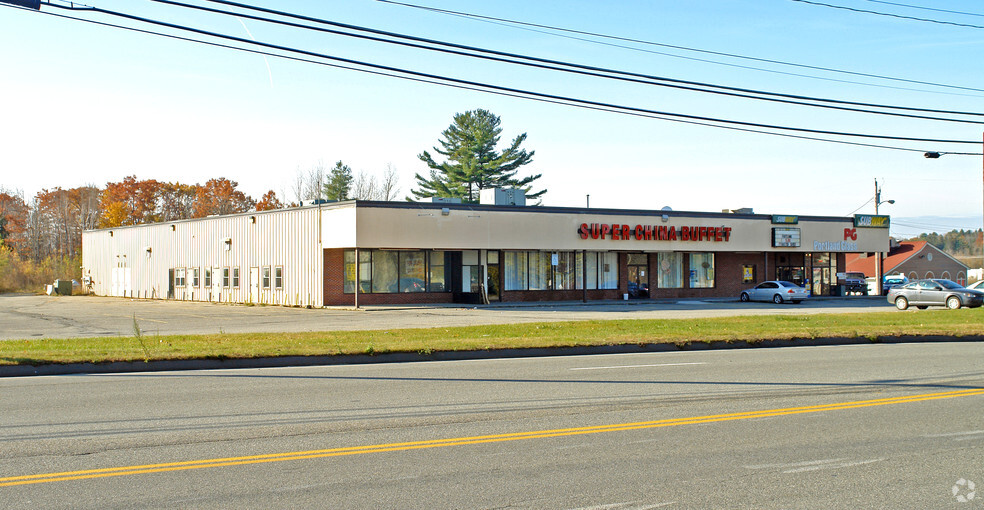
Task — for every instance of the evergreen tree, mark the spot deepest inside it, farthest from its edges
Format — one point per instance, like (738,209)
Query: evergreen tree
(472,162)
(338,185)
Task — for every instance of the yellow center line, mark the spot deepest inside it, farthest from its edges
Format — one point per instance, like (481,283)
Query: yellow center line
(461,441)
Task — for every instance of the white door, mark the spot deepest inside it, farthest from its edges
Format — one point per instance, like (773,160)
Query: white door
(254,285)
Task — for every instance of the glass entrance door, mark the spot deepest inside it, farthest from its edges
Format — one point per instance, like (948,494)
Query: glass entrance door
(637,270)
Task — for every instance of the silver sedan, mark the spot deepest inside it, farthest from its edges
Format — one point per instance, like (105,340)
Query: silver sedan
(776,291)
(934,292)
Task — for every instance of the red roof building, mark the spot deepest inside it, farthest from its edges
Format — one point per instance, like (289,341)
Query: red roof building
(914,259)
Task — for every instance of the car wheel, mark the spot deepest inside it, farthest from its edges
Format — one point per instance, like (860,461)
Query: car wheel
(744,297)
(953,302)
(901,303)
(777,299)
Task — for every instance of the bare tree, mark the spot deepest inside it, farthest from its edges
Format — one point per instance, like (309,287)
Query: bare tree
(389,187)
(364,187)
(315,181)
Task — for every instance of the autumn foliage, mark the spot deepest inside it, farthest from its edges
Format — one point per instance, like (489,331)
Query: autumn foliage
(41,240)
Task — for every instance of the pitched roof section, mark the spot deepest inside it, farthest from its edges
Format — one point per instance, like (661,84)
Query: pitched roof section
(866,265)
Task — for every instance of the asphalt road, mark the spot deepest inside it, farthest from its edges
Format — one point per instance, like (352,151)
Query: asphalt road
(860,426)
(28,316)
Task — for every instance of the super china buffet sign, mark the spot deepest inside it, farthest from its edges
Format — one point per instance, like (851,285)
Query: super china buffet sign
(621,232)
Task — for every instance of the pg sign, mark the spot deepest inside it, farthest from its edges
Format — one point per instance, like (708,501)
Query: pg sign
(870,221)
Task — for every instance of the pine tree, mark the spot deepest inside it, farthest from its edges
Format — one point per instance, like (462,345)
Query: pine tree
(472,162)
(338,185)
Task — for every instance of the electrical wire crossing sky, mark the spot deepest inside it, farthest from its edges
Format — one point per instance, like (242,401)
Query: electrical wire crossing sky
(787,106)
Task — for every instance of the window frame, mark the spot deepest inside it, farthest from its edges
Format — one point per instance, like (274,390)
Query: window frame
(278,277)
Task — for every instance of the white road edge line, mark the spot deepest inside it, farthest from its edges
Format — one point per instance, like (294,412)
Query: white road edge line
(639,366)
(833,466)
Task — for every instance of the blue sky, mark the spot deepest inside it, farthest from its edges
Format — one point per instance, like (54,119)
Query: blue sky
(84,104)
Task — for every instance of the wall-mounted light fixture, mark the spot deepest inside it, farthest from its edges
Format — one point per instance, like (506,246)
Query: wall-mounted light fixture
(110,233)
(227,243)
(148,249)
(173,228)
(252,219)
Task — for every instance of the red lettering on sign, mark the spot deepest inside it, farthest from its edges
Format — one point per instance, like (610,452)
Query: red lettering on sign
(616,232)
(638,232)
(605,230)
(583,231)
(684,233)
(671,234)
(626,232)
(851,233)
(647,234)
(727,234)
(718,234)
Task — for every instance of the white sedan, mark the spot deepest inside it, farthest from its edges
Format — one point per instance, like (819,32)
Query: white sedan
(775,291)
(979,285)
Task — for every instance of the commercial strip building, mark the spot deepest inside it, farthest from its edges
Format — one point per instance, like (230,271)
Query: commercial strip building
(422,252)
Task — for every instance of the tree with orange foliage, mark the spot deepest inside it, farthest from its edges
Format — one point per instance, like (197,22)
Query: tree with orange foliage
(220,196)
(13,220)
(269,202)
(129,202)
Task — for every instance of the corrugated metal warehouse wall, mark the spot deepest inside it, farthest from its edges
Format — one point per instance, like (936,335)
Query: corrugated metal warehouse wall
(240,254)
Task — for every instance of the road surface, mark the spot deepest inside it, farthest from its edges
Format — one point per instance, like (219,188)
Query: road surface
(858,426)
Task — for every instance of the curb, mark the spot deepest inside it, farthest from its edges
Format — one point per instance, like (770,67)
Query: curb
(408,357)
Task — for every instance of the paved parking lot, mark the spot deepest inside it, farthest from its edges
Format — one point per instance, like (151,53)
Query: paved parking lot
(29,316)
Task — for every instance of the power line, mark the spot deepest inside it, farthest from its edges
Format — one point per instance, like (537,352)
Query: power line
(529,95)
(927,8)
(518,91)
(591,70)
(878,13)
(685,48)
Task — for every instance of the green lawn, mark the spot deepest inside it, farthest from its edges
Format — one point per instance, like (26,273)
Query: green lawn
(750,329)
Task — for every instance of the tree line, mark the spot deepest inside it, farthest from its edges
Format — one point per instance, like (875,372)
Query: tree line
(41,238)
(959,243)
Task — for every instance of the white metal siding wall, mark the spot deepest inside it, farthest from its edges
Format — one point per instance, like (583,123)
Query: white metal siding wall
(285,238)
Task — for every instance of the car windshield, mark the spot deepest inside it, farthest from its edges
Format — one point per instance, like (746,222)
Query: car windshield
(948,284)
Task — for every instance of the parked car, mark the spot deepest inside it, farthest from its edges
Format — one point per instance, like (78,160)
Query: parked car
(776,291)
(854,283)
(890,281)
(978,285)
(934,292)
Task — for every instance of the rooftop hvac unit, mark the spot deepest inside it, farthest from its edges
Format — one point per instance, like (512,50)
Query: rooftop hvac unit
(502,196)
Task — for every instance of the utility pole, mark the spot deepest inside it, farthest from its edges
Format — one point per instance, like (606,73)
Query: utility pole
(878,255)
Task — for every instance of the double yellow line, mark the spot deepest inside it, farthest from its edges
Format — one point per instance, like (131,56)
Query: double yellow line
(460,441)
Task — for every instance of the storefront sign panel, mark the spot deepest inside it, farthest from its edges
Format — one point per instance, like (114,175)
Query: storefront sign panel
(622,232)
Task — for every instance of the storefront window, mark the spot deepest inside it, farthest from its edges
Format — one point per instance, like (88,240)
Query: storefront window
(564,273)
(413,271)
(670,270)
(437,272)
(608,270)
(348,259)
(384,271)
(365,271)
(515,270)
(540,270)
(701,270)
(592,262)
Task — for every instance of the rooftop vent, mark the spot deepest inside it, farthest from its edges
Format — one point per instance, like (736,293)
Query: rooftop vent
(502,196)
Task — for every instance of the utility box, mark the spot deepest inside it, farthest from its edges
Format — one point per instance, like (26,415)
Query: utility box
(63,287)
(502,196)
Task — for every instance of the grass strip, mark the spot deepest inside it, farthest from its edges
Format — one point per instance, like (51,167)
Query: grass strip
(143,347)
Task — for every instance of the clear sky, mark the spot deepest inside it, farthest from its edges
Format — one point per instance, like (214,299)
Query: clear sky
(86,104)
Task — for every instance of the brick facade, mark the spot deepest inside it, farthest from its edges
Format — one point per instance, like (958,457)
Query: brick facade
(728,273)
